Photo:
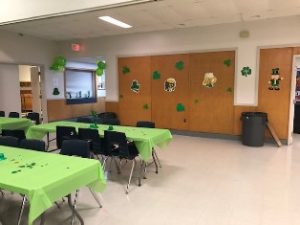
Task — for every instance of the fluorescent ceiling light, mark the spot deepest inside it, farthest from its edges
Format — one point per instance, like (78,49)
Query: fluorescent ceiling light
(114,21)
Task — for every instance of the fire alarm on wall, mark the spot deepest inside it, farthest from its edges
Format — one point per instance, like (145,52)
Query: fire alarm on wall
(76,47)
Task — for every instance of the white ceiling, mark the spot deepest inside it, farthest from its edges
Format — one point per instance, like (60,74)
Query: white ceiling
(160,15)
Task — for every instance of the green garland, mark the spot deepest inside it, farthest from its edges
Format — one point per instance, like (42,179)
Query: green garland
(101,67)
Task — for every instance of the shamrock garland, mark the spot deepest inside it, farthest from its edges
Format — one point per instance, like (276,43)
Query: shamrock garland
(246,71)
(125,70)
(156,75)
(180,107)
(59,64)
(101,67)
(179,65)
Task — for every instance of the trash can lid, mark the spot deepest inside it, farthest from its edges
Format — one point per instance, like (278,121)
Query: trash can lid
(255,114)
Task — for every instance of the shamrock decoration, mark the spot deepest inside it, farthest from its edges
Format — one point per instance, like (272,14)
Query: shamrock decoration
(230,90)
(246,71)
(59,64)
(135,86)
(55,91)
(180,107)
(156,75)
(125,70)
(146,107)
(179,65)
(196,101)
(101,66)
(227,62)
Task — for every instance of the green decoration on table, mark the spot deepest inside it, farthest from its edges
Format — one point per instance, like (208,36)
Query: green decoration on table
(180,107)
(110,127)
(156,75)
(59,64)
(125,70)
(227,62)
(94,119)
(230,89)
(196,101)
(246,71)
(146,107)
(101,67)
(179,65)
(55,91)
(135,86)
(2,157)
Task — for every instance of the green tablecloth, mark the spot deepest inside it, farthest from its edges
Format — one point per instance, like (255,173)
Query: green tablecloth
(45,177)
(14,123)
(145,138)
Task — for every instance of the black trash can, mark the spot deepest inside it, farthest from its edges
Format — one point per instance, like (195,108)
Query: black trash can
(253,128)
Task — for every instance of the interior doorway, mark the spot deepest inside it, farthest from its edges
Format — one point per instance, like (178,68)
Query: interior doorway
(30,89)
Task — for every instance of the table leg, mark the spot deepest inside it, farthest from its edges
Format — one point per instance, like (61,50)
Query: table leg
(74,210)
(48,140)
(96,197)
(42,222)
(21,210)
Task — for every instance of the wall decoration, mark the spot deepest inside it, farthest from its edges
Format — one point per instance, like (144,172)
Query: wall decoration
(246,71)
(179,65)
(180,107)
(156,75)
(275,80)
(55,91)
(209,80)
(59,64)
(196,101)
(170,85)
(146,107)
(227,62)
(135,86)
(125,70)
(101,67)
(230,89)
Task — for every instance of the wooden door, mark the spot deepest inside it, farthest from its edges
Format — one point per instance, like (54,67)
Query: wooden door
(134,90)
(211,106)
(170,107)
(276,102)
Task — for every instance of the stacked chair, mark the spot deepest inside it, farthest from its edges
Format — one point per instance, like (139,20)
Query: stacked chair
(2,114)
(14,115)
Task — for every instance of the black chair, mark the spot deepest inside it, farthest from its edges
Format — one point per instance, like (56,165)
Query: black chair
(9,141)
(109,115)
(33,145)
(109,121)
(34,117)
(64,133)
(93,137)
(84,120)
(149,124)
(2,114)
(117,145)
(20,134)
(14,115)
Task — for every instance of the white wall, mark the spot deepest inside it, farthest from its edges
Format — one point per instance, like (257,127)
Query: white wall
(24,73)
(10,100)
(284,31)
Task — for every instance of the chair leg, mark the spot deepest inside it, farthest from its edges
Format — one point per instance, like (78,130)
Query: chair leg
(158,161)
(96,198)
(21,210)
(129,181)
(74,206)
(155,162)
(74,211)
(117,165)
(42,222)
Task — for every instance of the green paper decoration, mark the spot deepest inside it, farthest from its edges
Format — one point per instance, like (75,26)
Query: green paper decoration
(274,82)
(180,107)
(146,107)
(179,65)
(227,62)
(246,71)
(55,91)
(101,67)
(125,70)
(230,89)
(156,75)
(135,86)
(196,101)
(59,64)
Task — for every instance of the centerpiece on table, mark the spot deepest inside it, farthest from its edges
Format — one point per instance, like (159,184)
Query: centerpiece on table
(94,119)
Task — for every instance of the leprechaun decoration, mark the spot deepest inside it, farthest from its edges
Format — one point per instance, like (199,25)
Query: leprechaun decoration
(135,86)
(275,80)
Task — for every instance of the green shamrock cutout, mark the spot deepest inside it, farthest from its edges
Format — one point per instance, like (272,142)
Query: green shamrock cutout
(135,86)
(125,70)
(58,64)
(179,65)
(180,107)
(246,71)
(156,75)
(230,90)
(55,91)
(227,62)
(146,107)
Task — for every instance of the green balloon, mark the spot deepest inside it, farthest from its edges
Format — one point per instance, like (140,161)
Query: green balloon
(99,72)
